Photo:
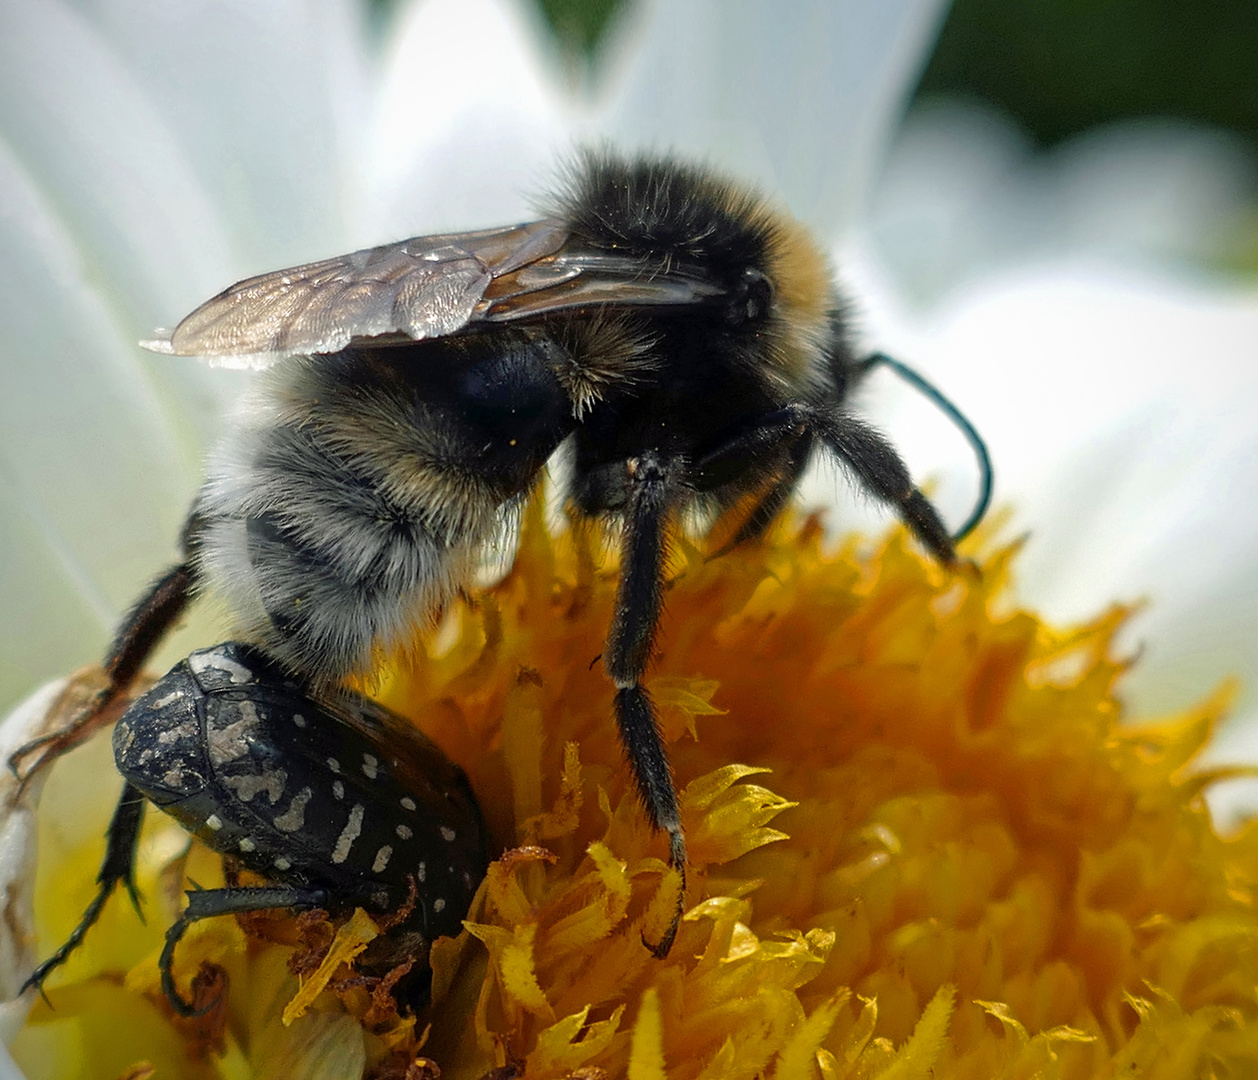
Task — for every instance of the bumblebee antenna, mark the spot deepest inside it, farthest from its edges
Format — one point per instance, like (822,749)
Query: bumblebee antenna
(963,425)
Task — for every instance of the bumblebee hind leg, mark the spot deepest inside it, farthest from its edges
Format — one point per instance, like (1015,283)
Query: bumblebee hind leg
(144,626)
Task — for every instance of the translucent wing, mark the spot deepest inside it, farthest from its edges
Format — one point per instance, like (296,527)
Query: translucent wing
(428,286)
(424,287)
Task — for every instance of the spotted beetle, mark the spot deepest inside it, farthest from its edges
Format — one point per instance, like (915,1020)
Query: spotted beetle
(338,802)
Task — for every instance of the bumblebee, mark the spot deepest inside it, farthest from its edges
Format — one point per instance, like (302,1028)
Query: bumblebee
(679,336)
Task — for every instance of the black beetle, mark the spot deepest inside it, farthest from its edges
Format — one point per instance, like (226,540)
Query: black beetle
(338,802)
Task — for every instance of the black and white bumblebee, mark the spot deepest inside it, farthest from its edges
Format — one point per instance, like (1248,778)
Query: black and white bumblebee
(679,336)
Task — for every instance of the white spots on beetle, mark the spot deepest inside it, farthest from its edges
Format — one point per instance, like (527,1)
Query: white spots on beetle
(407,803)
(299,720)
(294,817)
(185,732)
(382,859)
(281,864)
(439,905)
(174,776)
(403,832)
(348,834)
(215,661)
(167,701)
(334,765)
(448,834)
(232,741)
(421,872)
(338,789)
(246,845)
(146,756)
(247,786)
(214,822)
(371,766)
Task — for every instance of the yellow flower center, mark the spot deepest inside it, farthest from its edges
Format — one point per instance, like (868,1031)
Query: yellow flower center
(922,845)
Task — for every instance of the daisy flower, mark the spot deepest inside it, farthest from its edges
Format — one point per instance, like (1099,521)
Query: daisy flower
(924,841)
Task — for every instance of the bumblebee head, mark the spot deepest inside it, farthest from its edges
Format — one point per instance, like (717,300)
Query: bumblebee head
(751,263)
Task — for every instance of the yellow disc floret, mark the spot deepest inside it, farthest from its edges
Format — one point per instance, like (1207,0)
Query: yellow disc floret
(922,845)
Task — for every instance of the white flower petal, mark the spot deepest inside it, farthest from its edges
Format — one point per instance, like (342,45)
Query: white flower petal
(17,855)
(799,98)
(964,195)
(1121,412)
(90,137)
(467,125)
(79,411)
(266,102)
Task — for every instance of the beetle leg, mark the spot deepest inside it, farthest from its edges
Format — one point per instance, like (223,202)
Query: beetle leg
(639,597)
(119,866)
(208,903)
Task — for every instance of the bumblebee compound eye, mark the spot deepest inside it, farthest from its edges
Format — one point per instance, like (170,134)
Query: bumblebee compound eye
(749,300)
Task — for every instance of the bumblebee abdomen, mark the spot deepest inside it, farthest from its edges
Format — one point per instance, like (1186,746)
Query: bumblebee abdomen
(362,489)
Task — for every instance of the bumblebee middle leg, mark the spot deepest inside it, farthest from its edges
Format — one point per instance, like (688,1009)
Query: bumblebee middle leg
(774,496)
(639,598)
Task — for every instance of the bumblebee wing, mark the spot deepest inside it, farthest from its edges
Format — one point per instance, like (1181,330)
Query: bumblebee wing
(428,286)
(579,276)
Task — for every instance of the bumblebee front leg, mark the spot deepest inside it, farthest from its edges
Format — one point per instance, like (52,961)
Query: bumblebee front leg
(639,597)
(873,462)
(119,866)
(210,903)
(780,434)
(876,465)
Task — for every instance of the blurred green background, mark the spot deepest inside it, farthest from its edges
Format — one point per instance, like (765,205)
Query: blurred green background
(1062,66)
(1058,66)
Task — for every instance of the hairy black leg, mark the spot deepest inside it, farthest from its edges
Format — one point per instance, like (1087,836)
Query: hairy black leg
(872,459)
(744,448)
(876,465)
(774,498)
(119,866)
(144,626)
(639,597)
(147,622)
(208,903)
